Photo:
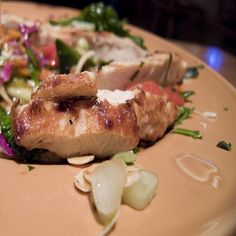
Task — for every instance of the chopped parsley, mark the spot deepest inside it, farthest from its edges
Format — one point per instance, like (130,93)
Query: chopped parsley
(196,134)
(30,167)
(193,72)
(134,75)
(183,114)
(186,94)
(224,145)
(104,18)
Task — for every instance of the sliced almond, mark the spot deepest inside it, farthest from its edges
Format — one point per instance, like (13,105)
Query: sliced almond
(81,183)
(80,160)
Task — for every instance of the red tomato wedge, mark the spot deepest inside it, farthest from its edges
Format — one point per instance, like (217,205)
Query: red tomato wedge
(50,53)
(154,88)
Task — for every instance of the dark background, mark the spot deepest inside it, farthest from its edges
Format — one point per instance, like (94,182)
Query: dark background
(211,22)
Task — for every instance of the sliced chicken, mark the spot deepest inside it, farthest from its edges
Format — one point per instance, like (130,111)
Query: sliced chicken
(154,114)
(64,86)
(107,46)
(75,127)
(163,67)
(112,123)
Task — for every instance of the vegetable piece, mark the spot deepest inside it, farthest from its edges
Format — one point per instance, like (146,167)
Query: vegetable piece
(193,72)
(19,88)
(192,133)
(30,167)
(6,126)
(4,146)
(107,181)
(140,194)
(33,66)
(67,56)
(101,18)
(137,149)
(105,18)
(137,71)
(183,113)
(6,71)
(50,54)
(173,96)
(127,157)
(186,94)
(224,145)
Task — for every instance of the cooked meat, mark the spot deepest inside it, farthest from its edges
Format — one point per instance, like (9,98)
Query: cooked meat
(67,86)
(154,114)
(75,127)
(106,45)
(101,127)
(163,67)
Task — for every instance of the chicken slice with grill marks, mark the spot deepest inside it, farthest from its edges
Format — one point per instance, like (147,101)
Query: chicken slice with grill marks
(75,127)
(64,86)
(163,67)
(101,127)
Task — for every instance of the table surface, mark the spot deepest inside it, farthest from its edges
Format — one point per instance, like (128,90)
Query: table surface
(218,59)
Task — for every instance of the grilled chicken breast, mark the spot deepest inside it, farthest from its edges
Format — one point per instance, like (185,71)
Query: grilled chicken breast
(76,127)
(163,67)
(64,86)
(112,122)
(107,46)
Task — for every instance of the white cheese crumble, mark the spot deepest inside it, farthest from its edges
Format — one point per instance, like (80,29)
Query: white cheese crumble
(115,97)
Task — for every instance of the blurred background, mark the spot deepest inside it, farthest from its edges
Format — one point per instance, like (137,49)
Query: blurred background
(205,28)
(199,21)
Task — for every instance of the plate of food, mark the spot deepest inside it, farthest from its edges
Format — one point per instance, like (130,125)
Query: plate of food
(109,129)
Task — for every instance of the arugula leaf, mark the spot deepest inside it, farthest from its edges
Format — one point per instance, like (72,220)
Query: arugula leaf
(30,167)
(64,22)
(224,145)
(186,94)
(67,56)
(104,18)
(196,134)
(137,149)
(193,72)
(34,67)
(128,157)
(183,114)
(6,127)
(133,76)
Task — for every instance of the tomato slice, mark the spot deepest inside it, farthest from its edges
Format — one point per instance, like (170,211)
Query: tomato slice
(50,53)
(154,88)
(174,96)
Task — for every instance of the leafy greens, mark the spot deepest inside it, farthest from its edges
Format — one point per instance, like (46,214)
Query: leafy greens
(104,18)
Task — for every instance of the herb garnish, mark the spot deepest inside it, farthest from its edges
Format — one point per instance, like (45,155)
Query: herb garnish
(168,66)
(224,145)
(134,75)
(6,126)
(183,114)
(30,167)
(127,157)
(67,56)
(186,94)
(193,72)
(104,18)
(34,67)
(192,133)
(137,149)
